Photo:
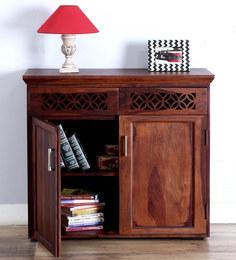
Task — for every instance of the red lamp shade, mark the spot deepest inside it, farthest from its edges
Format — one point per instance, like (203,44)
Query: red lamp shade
(68,19)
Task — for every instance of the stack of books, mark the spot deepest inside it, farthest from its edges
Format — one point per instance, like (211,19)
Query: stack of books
(81,211)
(72,154)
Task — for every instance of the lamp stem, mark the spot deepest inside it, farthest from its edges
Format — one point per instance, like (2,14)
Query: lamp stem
(68,48)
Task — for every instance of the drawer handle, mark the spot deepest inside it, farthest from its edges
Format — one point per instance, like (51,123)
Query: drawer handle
(51,159)
(125,145)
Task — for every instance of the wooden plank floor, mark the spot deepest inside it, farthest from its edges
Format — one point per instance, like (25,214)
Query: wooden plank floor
(221,246)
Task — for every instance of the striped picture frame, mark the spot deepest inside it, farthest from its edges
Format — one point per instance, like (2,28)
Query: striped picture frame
(168,55)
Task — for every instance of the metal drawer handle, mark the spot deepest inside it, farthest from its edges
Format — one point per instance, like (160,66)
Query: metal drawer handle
(51,159)
(125,145)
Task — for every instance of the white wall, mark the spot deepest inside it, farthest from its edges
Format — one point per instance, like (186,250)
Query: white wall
(125,27)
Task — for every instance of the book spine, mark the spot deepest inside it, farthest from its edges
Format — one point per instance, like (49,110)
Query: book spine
(74,201)
(78,205)
(71,229)
(81,212)
(78,151)
(82,207)
(84,212)
(88,206)
(79,197)
(85,217)
(67,152)
(86,223)
(62,163)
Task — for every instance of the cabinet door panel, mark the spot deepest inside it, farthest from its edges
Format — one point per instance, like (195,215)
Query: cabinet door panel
(161,177)
(46,184)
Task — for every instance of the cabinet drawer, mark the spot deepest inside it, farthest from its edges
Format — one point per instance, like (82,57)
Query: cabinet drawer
(163,101)
(72,101)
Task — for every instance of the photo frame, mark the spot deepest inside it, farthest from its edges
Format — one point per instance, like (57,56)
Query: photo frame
(168,55)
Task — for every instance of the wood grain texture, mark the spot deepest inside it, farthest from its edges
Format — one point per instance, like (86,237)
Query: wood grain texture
(221,246)
(161,180)
(162,197)
(46,186)
(196,77)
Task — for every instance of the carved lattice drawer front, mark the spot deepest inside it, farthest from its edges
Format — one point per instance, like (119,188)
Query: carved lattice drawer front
(163,101)
(73,101)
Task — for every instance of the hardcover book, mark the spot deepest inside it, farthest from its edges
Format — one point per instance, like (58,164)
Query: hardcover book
(79,201)
(72,205)
(70,194)
(67,152)
(79,153)
(85,217)
(62,163)
(79,229)
(84,210)
(85,223)
(82,221)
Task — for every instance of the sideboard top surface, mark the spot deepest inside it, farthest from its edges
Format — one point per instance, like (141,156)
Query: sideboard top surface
(117,76)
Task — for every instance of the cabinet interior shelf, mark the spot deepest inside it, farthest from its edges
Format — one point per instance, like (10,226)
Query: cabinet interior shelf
(91,174)
(104,234)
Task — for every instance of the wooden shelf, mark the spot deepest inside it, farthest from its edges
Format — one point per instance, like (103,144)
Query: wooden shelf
(90,174)
(91,234)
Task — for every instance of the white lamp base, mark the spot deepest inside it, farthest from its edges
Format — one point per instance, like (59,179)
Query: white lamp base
(68,49)
(68,70)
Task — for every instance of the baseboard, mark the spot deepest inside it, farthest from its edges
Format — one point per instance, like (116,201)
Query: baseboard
(13,214)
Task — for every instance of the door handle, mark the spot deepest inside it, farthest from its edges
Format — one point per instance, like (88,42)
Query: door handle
(125,145)
(51,159)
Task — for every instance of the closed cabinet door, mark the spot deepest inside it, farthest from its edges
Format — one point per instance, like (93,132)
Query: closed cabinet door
(46,185)
(162,176)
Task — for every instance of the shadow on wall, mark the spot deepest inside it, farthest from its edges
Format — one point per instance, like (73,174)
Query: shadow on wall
(26,24)
(13,139)
(136,55)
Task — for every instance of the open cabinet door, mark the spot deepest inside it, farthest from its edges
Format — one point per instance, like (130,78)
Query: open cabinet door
(46,184)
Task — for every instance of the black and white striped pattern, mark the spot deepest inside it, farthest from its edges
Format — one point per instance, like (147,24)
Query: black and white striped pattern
(155,65)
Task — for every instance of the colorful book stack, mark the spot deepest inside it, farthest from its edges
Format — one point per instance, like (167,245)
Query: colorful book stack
(81,211)
(72,155)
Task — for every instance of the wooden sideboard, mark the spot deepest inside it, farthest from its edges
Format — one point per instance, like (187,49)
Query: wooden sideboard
(161,123)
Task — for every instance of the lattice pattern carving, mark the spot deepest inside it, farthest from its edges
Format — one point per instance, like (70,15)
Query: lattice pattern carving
(74,101)
(162,101)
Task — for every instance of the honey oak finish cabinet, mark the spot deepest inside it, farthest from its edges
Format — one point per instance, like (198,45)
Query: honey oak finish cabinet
(161,123)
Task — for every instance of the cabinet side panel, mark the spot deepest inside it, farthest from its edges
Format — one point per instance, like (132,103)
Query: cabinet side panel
(162,174)
(30,181)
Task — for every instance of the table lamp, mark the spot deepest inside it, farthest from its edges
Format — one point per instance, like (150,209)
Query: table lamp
(68,20)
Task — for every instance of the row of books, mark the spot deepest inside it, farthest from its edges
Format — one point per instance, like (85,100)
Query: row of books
(81,211)
(72,154)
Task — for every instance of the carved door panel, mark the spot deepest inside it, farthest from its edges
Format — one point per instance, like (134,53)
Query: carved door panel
(161,177)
